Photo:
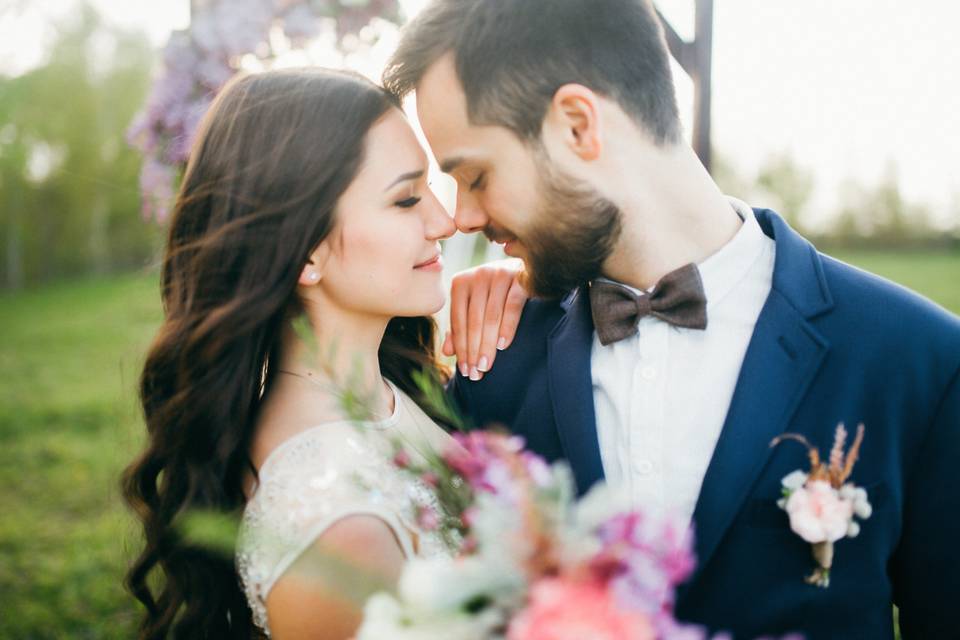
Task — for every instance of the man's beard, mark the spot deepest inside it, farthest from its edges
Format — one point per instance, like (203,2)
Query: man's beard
(572,235)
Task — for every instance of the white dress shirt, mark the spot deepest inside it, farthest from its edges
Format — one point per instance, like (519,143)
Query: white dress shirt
(661,397)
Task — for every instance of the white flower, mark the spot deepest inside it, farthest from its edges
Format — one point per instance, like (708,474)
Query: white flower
(385,617)
(601,503)
(862,506)
(443,585)
(818,513)
(858,496)
(853,530)
(795,480)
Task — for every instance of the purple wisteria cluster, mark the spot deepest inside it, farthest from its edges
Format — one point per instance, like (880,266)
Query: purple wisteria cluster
(197,62)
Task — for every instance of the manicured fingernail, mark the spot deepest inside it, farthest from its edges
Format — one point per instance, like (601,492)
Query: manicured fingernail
(484,365)
(474,374)
(464,369)
(501,344)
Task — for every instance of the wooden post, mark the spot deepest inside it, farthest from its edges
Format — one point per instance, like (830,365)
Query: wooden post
(696,58)
(703,47)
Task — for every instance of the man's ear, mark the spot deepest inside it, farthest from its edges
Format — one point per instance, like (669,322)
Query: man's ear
(312,272)
(574,115)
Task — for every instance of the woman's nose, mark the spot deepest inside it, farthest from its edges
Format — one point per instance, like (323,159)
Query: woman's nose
(439,224)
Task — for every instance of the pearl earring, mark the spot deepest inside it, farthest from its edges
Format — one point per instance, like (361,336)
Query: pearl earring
(314,276)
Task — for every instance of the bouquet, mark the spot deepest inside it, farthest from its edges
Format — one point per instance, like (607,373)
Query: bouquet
(527,560)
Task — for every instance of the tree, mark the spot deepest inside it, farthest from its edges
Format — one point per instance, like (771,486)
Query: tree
(790,184)
(881,214)
(67,180)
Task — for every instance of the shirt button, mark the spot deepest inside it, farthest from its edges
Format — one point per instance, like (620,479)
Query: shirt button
(648,373)
(644,467)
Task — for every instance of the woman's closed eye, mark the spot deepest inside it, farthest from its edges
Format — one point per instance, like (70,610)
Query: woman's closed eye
(408,203)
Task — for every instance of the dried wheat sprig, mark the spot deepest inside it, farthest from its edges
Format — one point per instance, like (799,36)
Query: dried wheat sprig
(812,451)
(853,454)
(836,454)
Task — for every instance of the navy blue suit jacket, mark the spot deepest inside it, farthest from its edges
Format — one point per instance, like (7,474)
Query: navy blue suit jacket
(832,344)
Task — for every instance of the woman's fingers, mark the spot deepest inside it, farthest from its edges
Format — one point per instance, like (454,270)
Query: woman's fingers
(490,330)
(516,299)
(459,299)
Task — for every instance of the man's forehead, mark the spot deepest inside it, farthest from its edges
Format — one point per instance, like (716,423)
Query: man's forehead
(442,104)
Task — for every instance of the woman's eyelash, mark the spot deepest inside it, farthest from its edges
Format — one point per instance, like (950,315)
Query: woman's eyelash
(408,203)
(477,183)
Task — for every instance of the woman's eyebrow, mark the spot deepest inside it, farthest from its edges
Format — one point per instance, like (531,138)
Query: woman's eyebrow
(411,175)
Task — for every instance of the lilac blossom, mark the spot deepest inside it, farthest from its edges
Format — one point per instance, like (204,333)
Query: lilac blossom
(199,61)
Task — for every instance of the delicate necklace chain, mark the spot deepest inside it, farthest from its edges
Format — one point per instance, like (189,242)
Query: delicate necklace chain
(376,416)
(398,400)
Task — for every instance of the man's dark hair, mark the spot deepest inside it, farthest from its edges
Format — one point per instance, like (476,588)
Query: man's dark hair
(512,56)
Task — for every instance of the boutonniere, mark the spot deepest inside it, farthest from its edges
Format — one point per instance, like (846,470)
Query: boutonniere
(821,503)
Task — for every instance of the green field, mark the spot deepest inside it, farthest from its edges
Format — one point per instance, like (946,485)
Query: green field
(69,359)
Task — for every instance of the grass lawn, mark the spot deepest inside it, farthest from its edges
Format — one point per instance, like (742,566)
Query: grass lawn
(69,360)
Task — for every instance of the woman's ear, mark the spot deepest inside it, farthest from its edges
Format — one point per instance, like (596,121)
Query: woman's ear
(574,115)
(312,272)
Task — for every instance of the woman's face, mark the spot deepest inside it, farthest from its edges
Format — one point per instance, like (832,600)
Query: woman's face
(383,257)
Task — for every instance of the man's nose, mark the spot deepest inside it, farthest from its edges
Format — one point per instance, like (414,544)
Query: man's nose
(469,215)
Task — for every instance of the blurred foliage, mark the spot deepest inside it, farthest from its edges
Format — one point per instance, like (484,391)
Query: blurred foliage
(880,216)
(868,217)
(68,181)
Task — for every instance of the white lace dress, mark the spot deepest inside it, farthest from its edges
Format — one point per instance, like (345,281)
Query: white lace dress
(324,474)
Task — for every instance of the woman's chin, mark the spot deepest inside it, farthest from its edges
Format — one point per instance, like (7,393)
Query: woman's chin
(424,304)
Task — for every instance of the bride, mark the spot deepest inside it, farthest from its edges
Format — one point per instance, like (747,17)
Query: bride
(305,196)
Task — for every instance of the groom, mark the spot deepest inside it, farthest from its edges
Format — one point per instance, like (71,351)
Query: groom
(558,120)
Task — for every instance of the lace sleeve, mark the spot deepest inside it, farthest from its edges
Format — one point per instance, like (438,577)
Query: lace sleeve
(306,485)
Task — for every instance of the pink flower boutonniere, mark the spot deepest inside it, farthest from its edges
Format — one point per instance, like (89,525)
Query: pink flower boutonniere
(821,503)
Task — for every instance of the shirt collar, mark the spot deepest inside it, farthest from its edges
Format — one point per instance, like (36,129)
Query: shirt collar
(726,268)
(723,270)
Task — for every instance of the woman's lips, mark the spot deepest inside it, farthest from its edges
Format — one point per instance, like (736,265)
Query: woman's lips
(433,264)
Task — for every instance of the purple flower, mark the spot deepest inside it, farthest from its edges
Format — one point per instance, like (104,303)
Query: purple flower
(301,24)
(197,63)
(156,184)
(643,560)
(484,459)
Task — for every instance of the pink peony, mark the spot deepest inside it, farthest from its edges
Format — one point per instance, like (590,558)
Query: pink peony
(818,513)
(562,609)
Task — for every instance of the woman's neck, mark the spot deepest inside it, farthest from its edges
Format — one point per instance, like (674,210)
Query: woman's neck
(340,353)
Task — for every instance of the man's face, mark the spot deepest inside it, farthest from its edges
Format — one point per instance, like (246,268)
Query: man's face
(558,224)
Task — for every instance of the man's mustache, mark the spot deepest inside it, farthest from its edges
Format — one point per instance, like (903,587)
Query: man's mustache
(494,234)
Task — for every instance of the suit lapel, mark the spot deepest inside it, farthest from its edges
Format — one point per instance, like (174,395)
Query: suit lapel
(571,390)
(781,361)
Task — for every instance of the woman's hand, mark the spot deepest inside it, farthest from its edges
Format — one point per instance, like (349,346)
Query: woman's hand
(485,307)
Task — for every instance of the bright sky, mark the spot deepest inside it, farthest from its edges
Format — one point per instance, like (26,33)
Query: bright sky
(847,87)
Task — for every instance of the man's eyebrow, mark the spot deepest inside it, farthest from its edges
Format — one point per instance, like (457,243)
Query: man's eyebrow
(411,175)
(452,163)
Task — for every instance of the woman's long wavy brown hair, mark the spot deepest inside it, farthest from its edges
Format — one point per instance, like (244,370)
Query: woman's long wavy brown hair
(273,156)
